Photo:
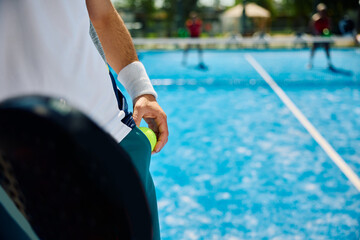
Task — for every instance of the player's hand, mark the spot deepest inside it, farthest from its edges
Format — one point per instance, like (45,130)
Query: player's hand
(147,108)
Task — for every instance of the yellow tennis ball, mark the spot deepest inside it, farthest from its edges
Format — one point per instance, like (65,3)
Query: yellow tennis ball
(150,135)
(326,32)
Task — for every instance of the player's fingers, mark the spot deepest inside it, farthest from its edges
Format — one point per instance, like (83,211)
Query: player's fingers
(163,132)
(159,126)
(152,125)
(138,115)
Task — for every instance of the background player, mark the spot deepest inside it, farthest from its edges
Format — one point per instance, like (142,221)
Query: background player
(194,25)
(320,26)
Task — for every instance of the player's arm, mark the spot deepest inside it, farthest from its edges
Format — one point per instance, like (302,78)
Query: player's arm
(113,34)
(121,55)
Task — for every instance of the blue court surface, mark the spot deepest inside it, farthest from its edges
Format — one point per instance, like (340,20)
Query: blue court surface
(239,164)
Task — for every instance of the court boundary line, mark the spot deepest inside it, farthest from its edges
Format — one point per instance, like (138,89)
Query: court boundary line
(324,144)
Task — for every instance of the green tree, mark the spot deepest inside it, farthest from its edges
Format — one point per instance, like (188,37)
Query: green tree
(170,8)
(143,10)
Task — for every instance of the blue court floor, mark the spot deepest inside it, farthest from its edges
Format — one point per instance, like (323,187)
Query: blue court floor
(238,164)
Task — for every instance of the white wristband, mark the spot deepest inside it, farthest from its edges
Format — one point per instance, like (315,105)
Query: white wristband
(135,80)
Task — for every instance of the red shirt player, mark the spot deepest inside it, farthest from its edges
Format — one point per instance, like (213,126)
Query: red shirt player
(194,25)
(320,26)
(320,21)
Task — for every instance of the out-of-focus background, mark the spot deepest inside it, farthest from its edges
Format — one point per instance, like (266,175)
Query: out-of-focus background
(166,18)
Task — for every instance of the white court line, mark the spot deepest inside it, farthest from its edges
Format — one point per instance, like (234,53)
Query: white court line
(335,157)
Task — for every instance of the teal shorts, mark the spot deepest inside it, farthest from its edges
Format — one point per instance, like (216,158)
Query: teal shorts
(138,148)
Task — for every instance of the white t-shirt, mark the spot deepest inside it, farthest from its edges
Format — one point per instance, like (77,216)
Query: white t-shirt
(45,49)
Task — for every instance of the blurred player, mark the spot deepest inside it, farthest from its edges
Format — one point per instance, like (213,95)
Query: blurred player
(320,27)
(347,26)
(194,25)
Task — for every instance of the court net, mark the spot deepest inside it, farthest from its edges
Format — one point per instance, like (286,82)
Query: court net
(237,42)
